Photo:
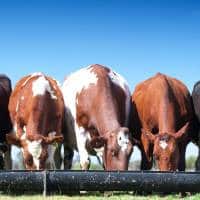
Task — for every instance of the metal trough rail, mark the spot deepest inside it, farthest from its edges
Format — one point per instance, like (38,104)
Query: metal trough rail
(64,181)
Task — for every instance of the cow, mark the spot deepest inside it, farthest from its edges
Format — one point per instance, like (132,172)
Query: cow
(5,122)
(36,109)
(196,103)
(163,121)
(97,102)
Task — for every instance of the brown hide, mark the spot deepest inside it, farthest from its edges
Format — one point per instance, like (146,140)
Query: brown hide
(39,114)
(164,114)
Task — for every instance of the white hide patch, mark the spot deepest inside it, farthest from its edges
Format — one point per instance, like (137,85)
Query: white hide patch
(40,86)
(74,84)
(32,75)
(122,83)
(35,149)
(163,144)
(118,79)
(123,141)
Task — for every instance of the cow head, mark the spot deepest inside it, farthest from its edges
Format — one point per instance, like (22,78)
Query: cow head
(35,148)
(166,150)
(117,149)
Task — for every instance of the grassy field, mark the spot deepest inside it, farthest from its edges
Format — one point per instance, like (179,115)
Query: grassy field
(98,197)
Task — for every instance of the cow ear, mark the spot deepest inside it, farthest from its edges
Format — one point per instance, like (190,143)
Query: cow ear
(53,139)
(151,137)
(97,142)
(13,139)
(182,132)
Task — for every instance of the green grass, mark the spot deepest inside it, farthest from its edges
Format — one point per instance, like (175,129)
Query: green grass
(98,196)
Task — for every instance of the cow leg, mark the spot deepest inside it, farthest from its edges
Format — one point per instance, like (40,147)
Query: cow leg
(68,157)
(7,159)
(58,157)
(146,163)
(17,160)
(146,152)
(181,164)
(81,136)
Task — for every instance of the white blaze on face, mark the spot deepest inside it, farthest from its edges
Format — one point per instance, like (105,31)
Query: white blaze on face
(123,140)
(40,86)
(35,149)
(163,144)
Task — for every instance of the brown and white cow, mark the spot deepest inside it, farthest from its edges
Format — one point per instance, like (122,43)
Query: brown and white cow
(36,108)
(163,121)
(5,122)
(98,104)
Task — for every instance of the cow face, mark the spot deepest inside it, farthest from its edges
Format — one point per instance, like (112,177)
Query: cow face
(117,151)
(166,152)
(35,148)
(166,149)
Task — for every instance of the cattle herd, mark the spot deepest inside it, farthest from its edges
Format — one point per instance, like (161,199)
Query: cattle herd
(94,113)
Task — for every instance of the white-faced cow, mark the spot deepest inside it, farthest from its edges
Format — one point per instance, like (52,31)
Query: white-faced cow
(37,109)
(5,122)
(98,104)
(165,119)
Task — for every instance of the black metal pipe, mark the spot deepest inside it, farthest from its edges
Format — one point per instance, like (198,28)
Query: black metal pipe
(64,181)
(21,181)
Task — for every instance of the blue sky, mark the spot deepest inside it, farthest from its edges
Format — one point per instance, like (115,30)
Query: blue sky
(136,38)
